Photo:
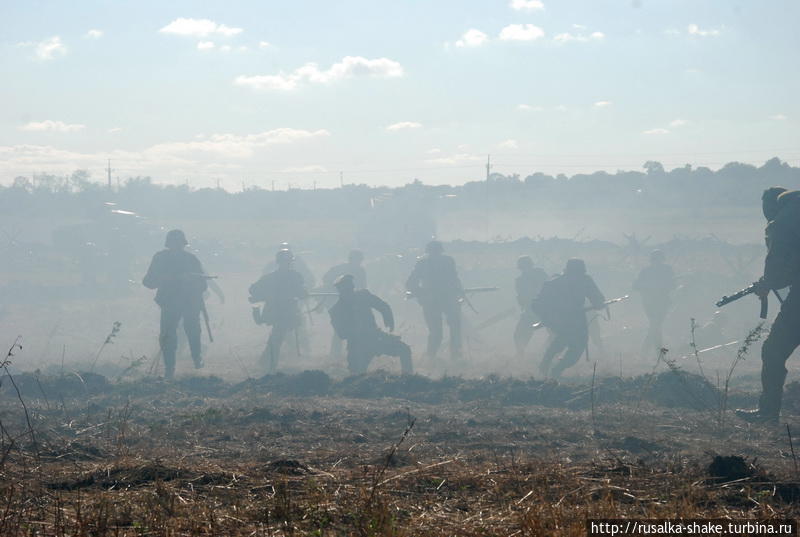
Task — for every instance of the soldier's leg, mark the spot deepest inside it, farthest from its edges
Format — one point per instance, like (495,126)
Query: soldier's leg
(191,325)
(783,339)
(168,338)
(336,347)
(576,346)
(273,350)
(453,314)
(433,319)
(392,345)
(557,344)
(523,332)
(358,358)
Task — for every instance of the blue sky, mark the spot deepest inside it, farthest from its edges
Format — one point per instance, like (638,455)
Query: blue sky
(295,92)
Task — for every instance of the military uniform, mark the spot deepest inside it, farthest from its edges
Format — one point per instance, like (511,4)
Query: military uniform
(527,285)
(436,285)
(354,268)
(280,290)
(178,277)
(655,283)
(353,321)
(561,306)
(781,270)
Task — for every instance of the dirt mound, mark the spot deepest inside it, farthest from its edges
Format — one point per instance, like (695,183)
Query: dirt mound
(120,477)
(74,384)
(726,468)
(288,467)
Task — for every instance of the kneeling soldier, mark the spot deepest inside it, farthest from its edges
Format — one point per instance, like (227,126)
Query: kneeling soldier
(353,321)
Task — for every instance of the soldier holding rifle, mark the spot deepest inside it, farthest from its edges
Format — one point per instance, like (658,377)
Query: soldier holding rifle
(180,282)
(781,269)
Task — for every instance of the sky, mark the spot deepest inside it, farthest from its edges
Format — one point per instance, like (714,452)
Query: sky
(314,93)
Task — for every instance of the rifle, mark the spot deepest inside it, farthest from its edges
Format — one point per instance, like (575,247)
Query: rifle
(205,317)
(743,293)
(590,308)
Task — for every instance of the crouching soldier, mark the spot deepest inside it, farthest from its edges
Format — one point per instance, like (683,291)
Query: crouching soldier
(353,321)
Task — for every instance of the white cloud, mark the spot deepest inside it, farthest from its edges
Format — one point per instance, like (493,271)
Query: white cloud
(198,28)
(526,5)
(678,123)
(602,104)
(237,146)
(225,48)
(508,144)
(205,45)
(404,125)
(264,44)
(656,131)
(472,38)
(529,108)
(348,67)
(94,34)
(693,29)
(779,117)
(48,125)
(567,37)
(312,168)
(48,49)
(434,151)
(459,158)
(521,32)
(114,129)
(579,26)
(561,108)
(228,156)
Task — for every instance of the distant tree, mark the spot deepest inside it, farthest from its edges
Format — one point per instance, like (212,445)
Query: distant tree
(653,167)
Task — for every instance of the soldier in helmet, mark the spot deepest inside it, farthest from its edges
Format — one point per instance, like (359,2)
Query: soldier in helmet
(781,269)
(527,285)
(655,283)
(353,321)
(436,285)
(299,264)
(180,282)
(561,306)
(280,290)
(353,267)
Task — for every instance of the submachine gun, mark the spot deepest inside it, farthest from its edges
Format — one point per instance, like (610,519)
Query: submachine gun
(750,291)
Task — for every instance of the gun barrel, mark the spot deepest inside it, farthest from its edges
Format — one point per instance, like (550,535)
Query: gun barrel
(481,289)
(736,296)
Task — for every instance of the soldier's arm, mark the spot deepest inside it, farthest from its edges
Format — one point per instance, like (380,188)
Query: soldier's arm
(782,260)
(154,277)
(454,275)
(412,283)
(384,309)
(593,293)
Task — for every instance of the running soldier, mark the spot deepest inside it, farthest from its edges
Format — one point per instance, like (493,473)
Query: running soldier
(655,284)
(528,284)
(561,306)
(355,268)
(180,282)
(280,290)
(434,282)
(781,269)
(353,321)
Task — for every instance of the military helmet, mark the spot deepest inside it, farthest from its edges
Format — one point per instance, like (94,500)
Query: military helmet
(575,266)
(657,256)
(345,282)
(769,202)
(284,256)
(355,256)
(434,247)
(524,262)
(175,239)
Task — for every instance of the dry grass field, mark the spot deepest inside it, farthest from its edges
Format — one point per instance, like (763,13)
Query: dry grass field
(380,455)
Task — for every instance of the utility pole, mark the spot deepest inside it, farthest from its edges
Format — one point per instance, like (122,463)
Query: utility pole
(488,173)
(341,179)
(108,170)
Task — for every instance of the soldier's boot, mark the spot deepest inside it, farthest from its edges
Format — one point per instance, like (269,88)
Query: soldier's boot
(169,365)
(768,411)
